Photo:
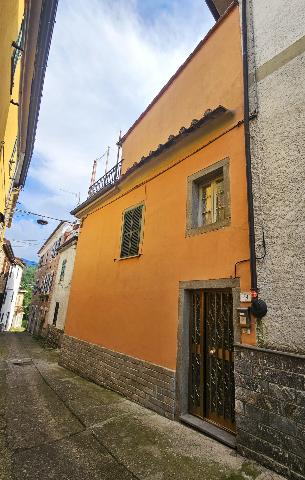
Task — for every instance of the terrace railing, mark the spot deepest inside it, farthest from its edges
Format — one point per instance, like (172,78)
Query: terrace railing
(110,178)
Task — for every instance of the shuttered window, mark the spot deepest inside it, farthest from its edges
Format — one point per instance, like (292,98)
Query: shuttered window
(63,269)
(131,234)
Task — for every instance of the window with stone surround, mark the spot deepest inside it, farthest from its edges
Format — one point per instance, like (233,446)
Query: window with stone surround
(208,199)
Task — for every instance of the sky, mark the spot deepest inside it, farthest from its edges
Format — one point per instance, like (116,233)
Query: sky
(108,60)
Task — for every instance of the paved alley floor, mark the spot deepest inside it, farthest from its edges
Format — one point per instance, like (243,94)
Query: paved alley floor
(56,425)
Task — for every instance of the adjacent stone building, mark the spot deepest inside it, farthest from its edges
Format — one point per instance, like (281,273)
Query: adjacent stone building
(271,386)
(270,378)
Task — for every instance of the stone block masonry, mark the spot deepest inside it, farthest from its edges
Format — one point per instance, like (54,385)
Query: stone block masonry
(54,337)
(150,385)
(270,409)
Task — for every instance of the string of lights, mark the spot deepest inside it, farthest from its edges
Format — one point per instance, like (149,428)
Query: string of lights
(41,215)
(23,246)
(21,243)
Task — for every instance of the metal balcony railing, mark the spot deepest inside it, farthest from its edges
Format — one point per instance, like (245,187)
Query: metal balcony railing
(110,178)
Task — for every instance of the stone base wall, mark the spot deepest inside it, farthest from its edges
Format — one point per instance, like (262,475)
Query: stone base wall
(36,328)
(43,332)
(54,337)
(145,383)
(270,409)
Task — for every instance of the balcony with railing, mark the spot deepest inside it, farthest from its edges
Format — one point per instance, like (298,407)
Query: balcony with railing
(110,178)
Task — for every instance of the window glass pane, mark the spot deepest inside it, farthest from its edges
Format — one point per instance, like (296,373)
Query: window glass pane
(205,205)
(211,202)
(219,200)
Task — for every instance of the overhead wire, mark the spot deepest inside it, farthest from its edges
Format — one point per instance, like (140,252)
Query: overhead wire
(27,212)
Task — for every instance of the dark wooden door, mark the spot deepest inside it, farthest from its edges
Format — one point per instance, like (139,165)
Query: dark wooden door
(211,370)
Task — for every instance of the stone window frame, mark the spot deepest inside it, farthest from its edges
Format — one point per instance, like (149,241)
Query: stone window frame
(194,182)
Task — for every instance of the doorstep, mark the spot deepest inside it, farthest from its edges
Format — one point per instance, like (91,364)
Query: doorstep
(209,429)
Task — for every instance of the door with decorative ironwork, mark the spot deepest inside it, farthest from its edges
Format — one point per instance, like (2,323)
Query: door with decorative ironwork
(211,369)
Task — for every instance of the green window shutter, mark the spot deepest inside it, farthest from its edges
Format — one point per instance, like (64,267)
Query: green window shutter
(131,234)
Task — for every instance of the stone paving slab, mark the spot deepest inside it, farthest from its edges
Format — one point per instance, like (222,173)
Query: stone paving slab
(5,459)
(78,457)
(23,381)
(138,442)
(56,425)
(44,421)
(97,414)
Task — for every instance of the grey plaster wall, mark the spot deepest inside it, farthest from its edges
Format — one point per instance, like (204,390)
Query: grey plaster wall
(278,165)
(277,24)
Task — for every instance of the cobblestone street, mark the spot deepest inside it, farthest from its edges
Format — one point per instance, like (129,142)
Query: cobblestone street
(54,424)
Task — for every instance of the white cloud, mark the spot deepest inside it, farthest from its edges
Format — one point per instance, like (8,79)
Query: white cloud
(108,59)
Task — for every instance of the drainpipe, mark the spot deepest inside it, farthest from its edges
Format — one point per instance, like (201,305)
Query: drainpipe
(248,151)
(258,306)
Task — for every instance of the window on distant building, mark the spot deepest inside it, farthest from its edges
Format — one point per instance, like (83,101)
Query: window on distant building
(63,269)
(55,247)
(55,313)
(49,281)
(132,231)
(208,199)
(7,317)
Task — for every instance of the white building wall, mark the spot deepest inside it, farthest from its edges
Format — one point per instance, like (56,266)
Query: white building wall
(19,312)
(277,89)
(17,320)
(11,292)
(61,290)
(40,310)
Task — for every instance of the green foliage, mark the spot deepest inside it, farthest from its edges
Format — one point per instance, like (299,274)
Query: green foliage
(27,283)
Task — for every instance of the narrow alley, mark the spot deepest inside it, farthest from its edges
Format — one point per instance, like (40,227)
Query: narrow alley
(55,424)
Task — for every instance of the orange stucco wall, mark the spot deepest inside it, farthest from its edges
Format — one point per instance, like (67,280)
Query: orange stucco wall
(131,305)
(213,76)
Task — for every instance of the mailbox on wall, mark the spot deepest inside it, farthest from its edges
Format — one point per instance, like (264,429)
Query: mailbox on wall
(244,317)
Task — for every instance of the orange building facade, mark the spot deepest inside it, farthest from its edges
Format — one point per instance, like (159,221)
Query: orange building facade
(162,262)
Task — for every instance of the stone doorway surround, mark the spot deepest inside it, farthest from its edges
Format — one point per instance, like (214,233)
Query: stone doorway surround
(182,366)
